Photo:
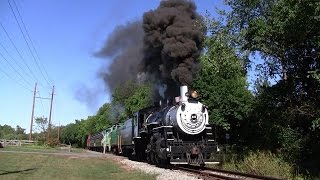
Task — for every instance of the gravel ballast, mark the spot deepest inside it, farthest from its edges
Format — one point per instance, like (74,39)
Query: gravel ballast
(163,174)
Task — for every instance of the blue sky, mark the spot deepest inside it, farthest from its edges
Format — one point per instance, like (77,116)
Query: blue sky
(66,34)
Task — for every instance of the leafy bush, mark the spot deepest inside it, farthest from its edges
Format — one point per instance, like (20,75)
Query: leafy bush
(53,142)
(262,163)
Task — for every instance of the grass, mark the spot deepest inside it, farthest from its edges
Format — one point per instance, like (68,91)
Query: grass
(30,148)
(37,148)
(36,166)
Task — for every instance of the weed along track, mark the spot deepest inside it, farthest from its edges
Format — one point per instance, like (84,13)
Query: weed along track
(212,173)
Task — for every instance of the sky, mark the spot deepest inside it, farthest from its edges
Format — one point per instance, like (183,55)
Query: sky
(65,34)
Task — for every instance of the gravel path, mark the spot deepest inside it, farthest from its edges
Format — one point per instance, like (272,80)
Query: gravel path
(163,174)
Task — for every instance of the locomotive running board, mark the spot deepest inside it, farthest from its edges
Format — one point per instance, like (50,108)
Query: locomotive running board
(188,163)
(184,161)
(212,162)
(178,163)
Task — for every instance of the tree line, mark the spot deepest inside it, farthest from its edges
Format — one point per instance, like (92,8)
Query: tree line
(40,132)
(8,132)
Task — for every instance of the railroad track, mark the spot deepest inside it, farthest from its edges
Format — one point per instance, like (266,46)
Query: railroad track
(212,173)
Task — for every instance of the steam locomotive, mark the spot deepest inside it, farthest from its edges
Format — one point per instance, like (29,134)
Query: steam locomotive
(175,134)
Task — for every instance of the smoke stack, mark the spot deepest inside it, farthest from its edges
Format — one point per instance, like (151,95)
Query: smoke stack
(183,92)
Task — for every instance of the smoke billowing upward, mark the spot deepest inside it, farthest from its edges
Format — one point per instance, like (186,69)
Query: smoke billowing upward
(161,50)
(172,42)
(124,48)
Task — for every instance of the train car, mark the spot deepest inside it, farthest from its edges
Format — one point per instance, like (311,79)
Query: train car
(94,142)
(115,140)
(99,141)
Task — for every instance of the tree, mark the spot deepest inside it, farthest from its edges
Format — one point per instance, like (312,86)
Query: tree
(7,132)
(140,98)
(75,133)
(287,36)
(222,81)
(102,118)
(42,126)
(20,133)
(129,98)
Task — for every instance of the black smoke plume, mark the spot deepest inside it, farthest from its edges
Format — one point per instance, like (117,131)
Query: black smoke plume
(124,48)
(161,50)
(172,42)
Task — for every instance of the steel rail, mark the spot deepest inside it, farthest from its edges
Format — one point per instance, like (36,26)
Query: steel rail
(211,172)
(241,174)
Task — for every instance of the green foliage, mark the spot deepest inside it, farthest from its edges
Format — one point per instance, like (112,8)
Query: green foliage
(222,81)
(42,125)
(8,132)
(287,36)
(73,133)
(131,97)
(53,142)
(140,98)
(102,117)
(262,163)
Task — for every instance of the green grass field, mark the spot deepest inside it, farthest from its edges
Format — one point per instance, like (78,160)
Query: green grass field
(40,166)
(36,148)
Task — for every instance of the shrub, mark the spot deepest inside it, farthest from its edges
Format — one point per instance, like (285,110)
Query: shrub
(53,142)
(262,163)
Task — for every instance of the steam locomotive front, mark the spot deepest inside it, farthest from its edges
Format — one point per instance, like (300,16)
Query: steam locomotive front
(189,116)
(181,133)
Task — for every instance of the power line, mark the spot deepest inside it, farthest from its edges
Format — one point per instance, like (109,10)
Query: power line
(14,60)
(25,39)
(31,42)
(40,97)
(14,69)
(15,80)
(24,61)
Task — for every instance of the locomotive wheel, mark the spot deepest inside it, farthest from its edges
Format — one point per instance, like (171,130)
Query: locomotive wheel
(157,160)
(148,158)
(152,158)
(115,151)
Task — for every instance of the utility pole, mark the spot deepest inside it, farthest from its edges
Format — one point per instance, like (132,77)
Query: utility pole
(49,126)
(32,112)
(59,133)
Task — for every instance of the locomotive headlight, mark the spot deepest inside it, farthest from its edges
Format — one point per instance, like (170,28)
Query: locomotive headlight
(194,94)
(194,118)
